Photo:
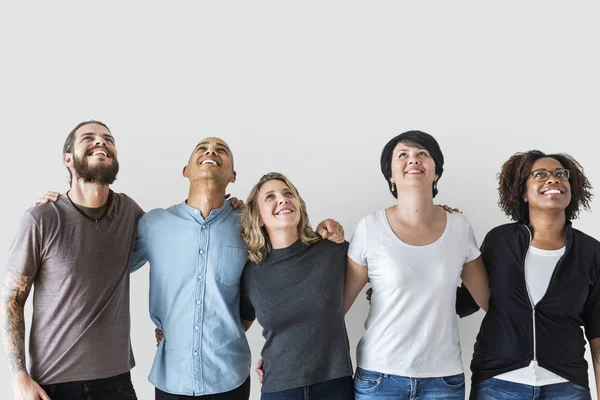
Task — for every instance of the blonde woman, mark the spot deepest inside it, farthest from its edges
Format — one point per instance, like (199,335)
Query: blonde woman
(294,281)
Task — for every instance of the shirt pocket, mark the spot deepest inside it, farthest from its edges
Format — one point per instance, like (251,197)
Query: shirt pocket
(231,265)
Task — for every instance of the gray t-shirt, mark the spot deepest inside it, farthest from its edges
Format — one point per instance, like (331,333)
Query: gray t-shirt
(298,295)
(81,324)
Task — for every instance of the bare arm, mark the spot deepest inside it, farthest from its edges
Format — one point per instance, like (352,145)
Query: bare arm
(475,278)
(595,348)
(14,293)
(355,280)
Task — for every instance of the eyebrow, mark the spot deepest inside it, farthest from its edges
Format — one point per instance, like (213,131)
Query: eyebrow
(88,134)
(273,191)
(219,144)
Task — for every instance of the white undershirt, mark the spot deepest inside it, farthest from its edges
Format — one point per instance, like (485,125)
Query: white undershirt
(539,266)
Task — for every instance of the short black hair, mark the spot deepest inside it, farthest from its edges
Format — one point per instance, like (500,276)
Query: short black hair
(418,139)
(69,142)
(512,184)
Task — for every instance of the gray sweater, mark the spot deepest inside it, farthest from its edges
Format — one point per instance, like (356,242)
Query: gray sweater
(298,297)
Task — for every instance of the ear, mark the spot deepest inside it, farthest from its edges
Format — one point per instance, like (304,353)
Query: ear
(436,178)
(233,177)
(68,159)
(184,172)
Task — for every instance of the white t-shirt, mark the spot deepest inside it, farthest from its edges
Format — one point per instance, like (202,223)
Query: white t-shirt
(539,266)
(411,328)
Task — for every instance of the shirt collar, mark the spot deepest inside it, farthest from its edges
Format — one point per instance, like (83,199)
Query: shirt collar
(197,215)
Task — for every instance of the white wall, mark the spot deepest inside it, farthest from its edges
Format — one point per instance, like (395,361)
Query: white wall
(310,89)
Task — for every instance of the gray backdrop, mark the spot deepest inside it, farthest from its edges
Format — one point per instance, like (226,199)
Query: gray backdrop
(311,89)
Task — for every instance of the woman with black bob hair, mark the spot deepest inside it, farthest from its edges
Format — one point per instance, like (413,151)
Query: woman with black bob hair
(545,285)
(414,254)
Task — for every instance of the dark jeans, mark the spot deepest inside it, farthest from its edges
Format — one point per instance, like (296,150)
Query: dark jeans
(497,389)
(115,388)
(240,393)
(376,385)
(335,389)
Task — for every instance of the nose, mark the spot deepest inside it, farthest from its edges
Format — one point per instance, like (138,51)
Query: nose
(282,200)
(100,141)
(210,150)
(552,180)
(413,160)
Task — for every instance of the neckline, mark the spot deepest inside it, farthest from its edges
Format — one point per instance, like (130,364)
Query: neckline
(277,254)
(438,240)
(547,253)
(106,206)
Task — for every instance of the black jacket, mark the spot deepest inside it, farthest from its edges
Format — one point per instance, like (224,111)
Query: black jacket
(506,338)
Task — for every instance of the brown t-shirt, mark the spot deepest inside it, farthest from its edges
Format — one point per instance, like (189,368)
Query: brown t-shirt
(81,324)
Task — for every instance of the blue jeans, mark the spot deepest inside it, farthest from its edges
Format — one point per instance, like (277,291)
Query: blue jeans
(375,385)
(335,389)
(497,389)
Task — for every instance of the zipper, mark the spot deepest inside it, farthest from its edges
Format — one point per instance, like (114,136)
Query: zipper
(529,294)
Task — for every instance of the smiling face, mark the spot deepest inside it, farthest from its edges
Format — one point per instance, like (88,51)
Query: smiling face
(93,157)
(412,167)
(211,160)
(278,207)
(554,194)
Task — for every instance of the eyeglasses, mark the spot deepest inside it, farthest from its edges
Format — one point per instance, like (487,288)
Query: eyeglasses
(541,175)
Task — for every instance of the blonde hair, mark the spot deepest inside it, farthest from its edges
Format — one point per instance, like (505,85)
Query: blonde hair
(255,236)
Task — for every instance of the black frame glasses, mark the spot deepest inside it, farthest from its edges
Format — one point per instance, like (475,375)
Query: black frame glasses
(542,175)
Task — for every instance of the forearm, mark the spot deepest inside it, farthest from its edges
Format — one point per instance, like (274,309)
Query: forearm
(595,349)
(13,295)
(355,280)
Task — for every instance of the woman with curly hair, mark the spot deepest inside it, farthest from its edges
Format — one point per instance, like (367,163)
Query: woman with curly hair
(294,282)
(545,285)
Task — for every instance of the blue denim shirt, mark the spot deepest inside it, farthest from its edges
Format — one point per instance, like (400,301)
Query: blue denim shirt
(195,270)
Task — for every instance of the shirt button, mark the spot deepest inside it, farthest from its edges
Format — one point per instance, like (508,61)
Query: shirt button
(201,251)
(195,211)
(198,302)
(199,276)
(197,327)
(203,226)
(195,353)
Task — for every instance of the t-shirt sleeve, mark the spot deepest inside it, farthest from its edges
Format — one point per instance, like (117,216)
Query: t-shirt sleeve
(472,249)
(592,307)
(247,311)
(139,255)
(26,252)
(357,251)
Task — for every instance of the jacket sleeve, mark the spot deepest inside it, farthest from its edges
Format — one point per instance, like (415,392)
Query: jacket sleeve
(465,304)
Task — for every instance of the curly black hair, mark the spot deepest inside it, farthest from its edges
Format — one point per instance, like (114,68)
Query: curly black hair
(512,185)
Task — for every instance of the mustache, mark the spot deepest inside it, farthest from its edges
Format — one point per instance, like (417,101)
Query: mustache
(103,148)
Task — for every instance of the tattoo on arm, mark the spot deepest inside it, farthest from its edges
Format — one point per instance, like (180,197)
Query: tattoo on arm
(13,295)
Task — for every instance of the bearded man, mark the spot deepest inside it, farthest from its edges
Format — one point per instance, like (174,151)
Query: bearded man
(76,252)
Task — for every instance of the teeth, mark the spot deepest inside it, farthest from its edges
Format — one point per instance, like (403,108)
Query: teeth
(284,212)
(209,162)
(552,191)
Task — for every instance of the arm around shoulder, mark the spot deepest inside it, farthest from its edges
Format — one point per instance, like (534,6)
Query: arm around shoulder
(475,278)
(355,280)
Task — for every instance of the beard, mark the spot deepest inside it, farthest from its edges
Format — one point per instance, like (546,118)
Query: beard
(100,174)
